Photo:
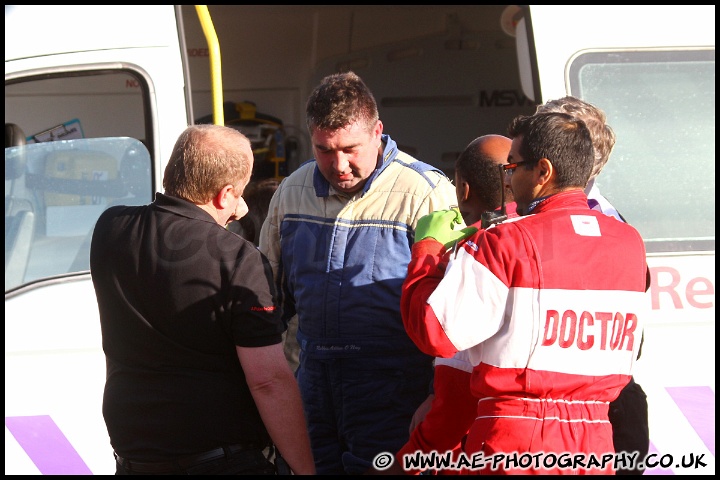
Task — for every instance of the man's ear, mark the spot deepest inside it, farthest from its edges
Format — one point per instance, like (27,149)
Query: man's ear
(546,171)
(377,138)
(378,128)
(464,191)
(221,199)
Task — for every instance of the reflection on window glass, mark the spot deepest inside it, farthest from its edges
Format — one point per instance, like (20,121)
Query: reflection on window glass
(661,174)
(54,193)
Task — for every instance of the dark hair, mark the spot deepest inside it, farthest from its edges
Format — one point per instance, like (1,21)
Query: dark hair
(340,100)
(562,139)
(481,172)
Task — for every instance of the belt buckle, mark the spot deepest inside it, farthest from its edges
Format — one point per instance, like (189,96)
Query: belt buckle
(193,460)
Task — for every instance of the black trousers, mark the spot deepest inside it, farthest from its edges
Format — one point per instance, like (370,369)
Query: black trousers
(629,418)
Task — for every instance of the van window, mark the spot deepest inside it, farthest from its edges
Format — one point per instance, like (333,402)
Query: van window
(54,195)
(661,174)
(72,166)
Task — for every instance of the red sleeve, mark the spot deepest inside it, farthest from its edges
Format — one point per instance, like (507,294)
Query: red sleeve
(425,270)
(453,411)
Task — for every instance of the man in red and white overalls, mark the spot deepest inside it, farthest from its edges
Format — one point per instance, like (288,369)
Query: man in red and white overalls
(548,308)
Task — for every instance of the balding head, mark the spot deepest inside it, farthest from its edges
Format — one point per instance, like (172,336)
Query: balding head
(494,147)
(478,181)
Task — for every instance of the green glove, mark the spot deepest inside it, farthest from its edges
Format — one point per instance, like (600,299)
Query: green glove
(440,226)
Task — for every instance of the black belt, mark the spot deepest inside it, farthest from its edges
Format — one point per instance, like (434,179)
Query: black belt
(183,462)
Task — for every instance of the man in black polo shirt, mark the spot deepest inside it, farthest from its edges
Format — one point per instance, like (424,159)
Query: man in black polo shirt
(197,382)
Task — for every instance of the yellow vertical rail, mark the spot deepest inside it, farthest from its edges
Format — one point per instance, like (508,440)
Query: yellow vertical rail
(215,63)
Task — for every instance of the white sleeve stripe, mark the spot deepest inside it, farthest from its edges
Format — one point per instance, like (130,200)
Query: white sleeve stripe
(563,420)
(461,300)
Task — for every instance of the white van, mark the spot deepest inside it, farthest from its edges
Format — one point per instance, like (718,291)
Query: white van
(96,96)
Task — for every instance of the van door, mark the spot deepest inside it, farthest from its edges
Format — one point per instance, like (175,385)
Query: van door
(95,97)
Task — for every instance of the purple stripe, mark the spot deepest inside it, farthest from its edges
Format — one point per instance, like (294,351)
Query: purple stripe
(656,470)
(46,445)
(698,406)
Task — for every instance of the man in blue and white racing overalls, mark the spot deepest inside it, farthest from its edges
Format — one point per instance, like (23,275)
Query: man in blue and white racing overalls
(338,235)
